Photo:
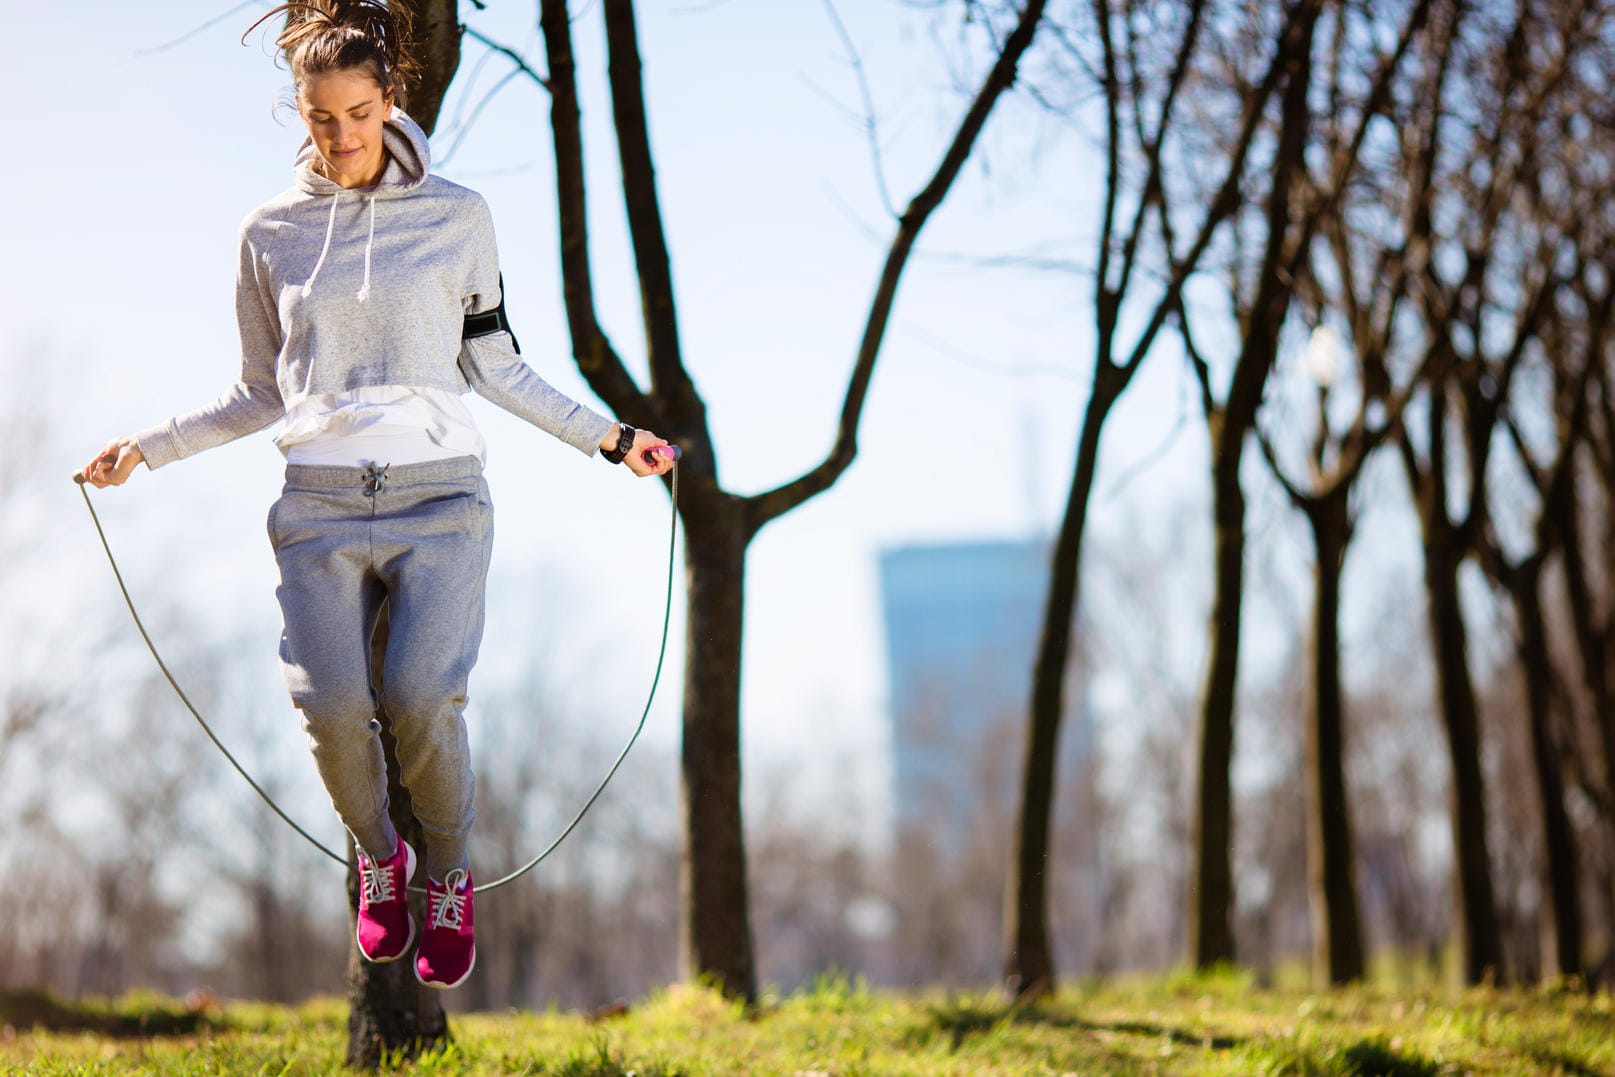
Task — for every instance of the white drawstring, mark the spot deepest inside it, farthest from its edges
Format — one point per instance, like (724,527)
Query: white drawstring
(370,243)
(364,290)
(330,225)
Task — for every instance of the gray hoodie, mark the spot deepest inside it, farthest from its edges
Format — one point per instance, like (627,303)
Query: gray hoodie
(340,289)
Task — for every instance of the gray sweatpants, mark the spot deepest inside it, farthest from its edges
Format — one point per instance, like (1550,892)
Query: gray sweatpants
(419,538)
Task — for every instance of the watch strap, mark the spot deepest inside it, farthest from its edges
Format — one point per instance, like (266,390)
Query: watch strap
(625,441)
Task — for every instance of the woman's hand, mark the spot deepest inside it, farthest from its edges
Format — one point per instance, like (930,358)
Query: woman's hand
(113,464)
(660,463)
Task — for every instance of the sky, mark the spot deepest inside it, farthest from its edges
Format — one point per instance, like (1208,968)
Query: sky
(137,154)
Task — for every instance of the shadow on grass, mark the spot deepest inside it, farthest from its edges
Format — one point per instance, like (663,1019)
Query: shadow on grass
(959,1020)
(1373,1058)
(1568,1065)
(600,1059)
(32,1008)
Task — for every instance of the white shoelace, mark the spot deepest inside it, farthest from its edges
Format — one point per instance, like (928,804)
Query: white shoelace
(377,881)
(450,908)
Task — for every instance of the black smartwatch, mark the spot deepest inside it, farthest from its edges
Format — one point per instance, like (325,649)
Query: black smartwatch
(625,441)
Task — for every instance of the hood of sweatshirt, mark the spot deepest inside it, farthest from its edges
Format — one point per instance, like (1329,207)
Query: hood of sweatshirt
(409,158)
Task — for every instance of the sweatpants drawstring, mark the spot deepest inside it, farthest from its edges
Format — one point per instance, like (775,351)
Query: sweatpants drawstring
(375,479)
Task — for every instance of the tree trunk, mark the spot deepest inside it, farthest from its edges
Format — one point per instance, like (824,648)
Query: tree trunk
(1211,931)
(437,46)
(1029,964)
(1590,646)
(1211,937)
(1337,939)
(1477,910)
(715,936)
(1558,838)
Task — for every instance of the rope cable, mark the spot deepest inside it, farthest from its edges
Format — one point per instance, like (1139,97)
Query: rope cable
(661,657)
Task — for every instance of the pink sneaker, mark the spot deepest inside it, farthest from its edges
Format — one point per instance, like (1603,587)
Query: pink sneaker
(448,947)
(385,928)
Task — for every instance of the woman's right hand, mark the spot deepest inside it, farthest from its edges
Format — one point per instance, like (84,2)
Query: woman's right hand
(112,465)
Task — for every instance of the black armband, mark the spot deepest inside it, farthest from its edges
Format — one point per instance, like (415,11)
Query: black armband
(490,322)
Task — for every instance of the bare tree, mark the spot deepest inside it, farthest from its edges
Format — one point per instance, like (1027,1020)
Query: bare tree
(716,938)
(1144,61)
(1363,278)
(1485,286)
(1294,203)
(1575,340)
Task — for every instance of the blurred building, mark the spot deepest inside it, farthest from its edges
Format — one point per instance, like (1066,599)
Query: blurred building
(962,622)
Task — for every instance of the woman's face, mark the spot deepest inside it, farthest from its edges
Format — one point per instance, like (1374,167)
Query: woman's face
(344,111)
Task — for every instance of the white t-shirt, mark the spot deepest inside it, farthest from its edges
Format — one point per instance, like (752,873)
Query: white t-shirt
(383,424)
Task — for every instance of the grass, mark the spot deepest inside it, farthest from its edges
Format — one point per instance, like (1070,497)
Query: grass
(1193,1025)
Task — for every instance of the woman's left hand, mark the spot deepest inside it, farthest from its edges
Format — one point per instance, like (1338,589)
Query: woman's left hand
(660,463)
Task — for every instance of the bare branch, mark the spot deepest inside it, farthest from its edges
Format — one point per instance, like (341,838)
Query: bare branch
(1202,369)
(153,50)
(770,504)
(1298,498)
(509,53)
(471,121)
(1223,204)
(871,132)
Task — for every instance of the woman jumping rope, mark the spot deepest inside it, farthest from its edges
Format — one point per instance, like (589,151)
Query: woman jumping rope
(355,299)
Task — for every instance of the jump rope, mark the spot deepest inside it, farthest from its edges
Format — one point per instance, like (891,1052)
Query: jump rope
(661,655)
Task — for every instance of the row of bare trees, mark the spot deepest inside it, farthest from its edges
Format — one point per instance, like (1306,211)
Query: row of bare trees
(1425,185)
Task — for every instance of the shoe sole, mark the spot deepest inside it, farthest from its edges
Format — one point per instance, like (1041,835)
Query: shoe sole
(409,873)
(443,985)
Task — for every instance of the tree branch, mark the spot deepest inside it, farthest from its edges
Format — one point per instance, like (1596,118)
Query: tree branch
(871,131)
(511,54)
(773,503)
(670,382)
(1300,499)
(1223,204)
(597,360)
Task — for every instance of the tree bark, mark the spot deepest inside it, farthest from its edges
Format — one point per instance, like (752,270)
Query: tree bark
(1558,837)
(1591,647)
(1211,938)
(1211,929)
(715,940)
(437,46)
(1477,910)
(1029,964)
(1337,938)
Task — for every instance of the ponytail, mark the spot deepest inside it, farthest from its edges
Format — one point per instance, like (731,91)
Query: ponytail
(322,36)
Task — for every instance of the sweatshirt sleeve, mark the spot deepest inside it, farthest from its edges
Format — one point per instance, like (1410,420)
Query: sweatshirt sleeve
(497,372)
(254,401)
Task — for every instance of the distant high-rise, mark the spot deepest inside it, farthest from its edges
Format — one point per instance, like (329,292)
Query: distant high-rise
(962,623)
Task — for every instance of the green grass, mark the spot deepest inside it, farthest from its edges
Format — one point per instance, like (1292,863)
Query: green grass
(1183,1024)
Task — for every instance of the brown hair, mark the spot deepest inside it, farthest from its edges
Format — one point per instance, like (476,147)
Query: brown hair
(322,36)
